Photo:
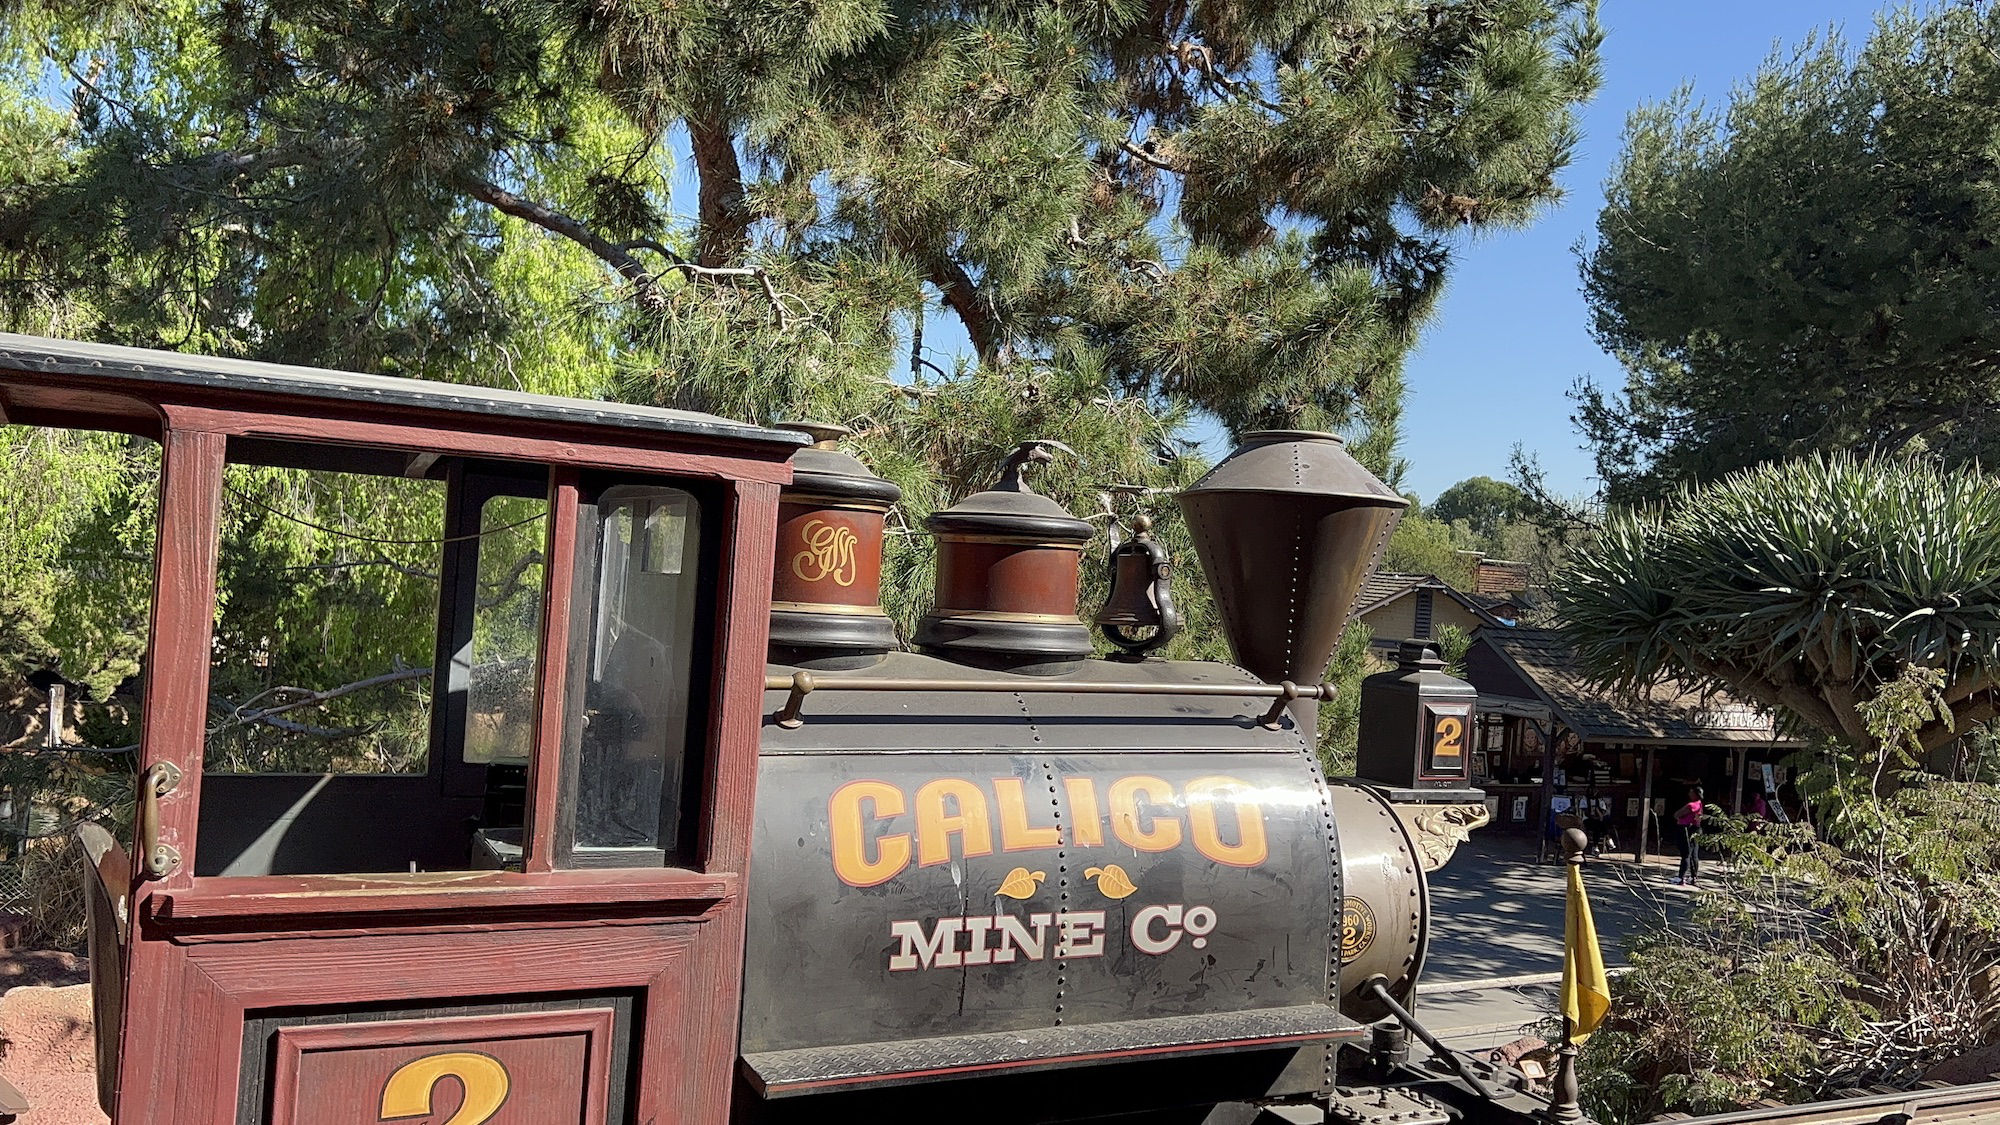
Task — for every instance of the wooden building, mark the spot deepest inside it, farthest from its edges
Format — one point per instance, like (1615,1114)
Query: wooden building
(1399,607)
(1549,742)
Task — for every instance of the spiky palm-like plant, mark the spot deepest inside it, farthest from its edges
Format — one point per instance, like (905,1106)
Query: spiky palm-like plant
(1806,586)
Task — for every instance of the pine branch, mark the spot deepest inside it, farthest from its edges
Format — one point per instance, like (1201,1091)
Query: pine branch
(644,285)
(1199,58)
(1145,154)
(619,254)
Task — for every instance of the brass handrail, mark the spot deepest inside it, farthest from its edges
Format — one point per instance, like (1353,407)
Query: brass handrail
(804,682)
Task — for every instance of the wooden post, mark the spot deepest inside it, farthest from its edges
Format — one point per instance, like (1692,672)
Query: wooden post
(552,695)
(1548,790)
(52,735)
(1645,807)
(1742,767)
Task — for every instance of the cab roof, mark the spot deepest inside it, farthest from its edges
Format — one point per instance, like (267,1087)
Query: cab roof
(145,374)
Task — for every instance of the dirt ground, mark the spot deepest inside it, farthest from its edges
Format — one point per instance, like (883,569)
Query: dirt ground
(46,1045)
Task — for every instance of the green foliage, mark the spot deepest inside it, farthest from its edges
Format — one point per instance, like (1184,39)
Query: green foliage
(1422,544)
(1340,719)
(1232,207)
(324,580)
(1862,956)
(1811,269)
(1102,218)
(1485,505)
(1806,586)
(76,543)
(1452,645)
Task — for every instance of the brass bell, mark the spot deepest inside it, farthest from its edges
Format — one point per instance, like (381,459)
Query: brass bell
(1141,597)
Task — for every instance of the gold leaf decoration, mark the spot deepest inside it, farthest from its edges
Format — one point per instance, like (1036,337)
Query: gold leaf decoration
(1112,882)
(1020,882)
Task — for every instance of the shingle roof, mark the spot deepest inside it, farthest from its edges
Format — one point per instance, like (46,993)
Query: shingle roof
(1382,588)
(1666,713)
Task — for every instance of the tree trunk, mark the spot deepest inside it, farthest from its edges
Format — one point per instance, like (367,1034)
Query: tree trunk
(725,226)
(981,319)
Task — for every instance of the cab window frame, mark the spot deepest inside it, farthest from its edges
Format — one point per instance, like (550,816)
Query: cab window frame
(552,830)
(739,490)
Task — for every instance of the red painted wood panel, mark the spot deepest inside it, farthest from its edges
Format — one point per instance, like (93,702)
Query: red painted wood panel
(174,716)
(266,896)
(211,986)
(744,626)
(530,1068)
(551,699)
(523,441)
(206,951)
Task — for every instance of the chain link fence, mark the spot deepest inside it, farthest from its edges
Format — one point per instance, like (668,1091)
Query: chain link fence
(43,884)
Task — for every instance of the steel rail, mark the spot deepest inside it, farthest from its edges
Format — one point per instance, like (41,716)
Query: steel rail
(1938,1105)
(803,683)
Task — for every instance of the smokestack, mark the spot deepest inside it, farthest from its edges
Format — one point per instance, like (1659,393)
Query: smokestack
(1287,528)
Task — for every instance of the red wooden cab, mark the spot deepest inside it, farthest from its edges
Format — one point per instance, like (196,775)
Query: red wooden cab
(550,931)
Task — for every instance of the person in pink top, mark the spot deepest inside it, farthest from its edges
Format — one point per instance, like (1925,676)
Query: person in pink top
(1687,819)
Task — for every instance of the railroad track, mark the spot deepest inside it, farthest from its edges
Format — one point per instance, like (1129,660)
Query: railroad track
(1936,1104)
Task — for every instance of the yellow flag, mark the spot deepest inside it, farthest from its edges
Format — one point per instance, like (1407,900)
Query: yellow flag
(1586,990)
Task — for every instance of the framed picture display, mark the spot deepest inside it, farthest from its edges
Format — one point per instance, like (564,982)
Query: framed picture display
(1520,808)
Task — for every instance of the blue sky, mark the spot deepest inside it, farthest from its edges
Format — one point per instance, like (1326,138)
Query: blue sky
(1511,335)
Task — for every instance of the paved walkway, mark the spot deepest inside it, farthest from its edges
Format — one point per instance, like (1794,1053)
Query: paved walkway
(1497,933)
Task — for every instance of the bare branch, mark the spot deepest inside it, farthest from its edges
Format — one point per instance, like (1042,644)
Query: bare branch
(693,271)
(644,284)
(243,714)
(619,254)
(379,560)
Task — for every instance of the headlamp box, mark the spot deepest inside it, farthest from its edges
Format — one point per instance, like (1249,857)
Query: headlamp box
(1416,726)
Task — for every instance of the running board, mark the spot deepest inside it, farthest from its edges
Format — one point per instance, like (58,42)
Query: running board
(807,1070)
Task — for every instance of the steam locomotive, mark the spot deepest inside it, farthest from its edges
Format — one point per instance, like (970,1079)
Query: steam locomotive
(749,860)
(998,879)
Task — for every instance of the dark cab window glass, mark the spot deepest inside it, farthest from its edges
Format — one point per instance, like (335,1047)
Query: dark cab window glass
(631,645)
(506,628)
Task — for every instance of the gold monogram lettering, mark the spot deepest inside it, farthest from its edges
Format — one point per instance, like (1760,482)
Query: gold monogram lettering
(829,553)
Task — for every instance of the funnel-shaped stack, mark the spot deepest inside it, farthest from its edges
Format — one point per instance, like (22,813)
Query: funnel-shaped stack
(1288,527)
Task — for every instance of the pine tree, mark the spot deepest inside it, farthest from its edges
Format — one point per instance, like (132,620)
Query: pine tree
(951,226)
